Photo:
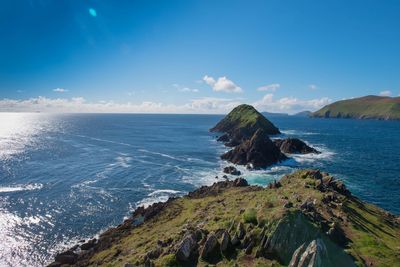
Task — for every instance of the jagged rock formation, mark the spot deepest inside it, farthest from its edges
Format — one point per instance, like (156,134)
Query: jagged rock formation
(258,152)
(241,123)
(232,223)
(294,146)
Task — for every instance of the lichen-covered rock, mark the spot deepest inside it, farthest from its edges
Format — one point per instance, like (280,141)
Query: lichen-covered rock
(315,255)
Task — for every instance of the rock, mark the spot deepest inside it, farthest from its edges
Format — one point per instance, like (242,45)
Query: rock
(258,152)
(219,187)
(288,205)
(226,243)
(210,247)
(67,257)
(186,248)
(235,241)
(240,232)
(294,146)
(88,245)
(315,255)
(155,253)
(297,255)
(249,248)
(223,138)
(240,182)
(274,185)
(231,170)
(225,177)
(337,235)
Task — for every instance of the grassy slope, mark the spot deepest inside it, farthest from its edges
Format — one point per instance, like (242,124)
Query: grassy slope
(374,238)
(245,117)
(374,107)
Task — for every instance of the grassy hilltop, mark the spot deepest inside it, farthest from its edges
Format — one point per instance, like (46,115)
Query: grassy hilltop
(274,226)
(367,107)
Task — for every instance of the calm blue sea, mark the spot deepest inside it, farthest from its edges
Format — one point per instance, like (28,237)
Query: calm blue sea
(68,177)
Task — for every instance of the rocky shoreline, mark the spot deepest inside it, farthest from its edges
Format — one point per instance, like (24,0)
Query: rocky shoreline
(308,218)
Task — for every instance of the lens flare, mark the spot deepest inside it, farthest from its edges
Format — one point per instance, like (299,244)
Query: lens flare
(92,12)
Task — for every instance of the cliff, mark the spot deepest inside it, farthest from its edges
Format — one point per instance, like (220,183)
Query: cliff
(308,218)
(367,107)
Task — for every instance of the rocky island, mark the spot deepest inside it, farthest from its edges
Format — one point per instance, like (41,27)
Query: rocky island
(367,107)
(306,219)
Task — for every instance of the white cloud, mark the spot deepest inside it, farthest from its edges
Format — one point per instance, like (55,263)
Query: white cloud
(385,93)
(312,87)
(270,87)
(187,89)
(80,105)
(222,84)
(289,104)
(60,90)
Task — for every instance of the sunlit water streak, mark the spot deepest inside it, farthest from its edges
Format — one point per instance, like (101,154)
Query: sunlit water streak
(68,177)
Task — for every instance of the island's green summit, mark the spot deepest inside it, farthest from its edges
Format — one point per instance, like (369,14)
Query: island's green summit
(367,107)
(242,122)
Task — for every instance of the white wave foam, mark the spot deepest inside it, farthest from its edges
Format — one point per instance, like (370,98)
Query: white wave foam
(296,132)
(160,195)
(159,154)
(16,188)
(325,154)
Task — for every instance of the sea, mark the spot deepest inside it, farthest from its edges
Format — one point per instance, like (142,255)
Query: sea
(68,177)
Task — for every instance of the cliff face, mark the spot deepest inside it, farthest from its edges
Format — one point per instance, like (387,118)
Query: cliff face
(242,122)
(308,218)
(368,107)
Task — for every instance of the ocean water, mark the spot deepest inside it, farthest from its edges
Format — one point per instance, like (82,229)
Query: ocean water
(64,178)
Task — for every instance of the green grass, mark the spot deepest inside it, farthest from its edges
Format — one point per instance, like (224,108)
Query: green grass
(373,239)
(250,216)
(369,107)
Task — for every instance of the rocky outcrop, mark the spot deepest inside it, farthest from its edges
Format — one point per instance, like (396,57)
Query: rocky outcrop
(241,124)
(219,187)
(294,146)
(186,248)
(210,248)
(231,170)
(315,255)
(258,152)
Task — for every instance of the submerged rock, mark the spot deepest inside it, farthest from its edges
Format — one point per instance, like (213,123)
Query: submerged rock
(259,152)
(294,146)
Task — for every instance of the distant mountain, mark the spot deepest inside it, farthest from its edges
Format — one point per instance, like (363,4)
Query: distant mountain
(367,107)
(272,114)
(305,113)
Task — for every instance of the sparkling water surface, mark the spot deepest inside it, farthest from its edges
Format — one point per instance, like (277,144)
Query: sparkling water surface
(68,177)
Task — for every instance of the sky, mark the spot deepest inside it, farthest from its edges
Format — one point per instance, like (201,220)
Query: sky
(195,56)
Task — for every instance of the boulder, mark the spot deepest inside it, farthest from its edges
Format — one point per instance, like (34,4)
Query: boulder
(226,243)
(67,257)
(315,255)
(210,247)
(294,146)
(240,231)
(231,170)
(186,248)
(240,182)
(257,152)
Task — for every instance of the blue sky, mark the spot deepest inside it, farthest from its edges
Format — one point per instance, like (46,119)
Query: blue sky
(195,56)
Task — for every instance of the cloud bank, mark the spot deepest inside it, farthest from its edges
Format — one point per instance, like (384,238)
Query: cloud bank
(202,105)
(385,93)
